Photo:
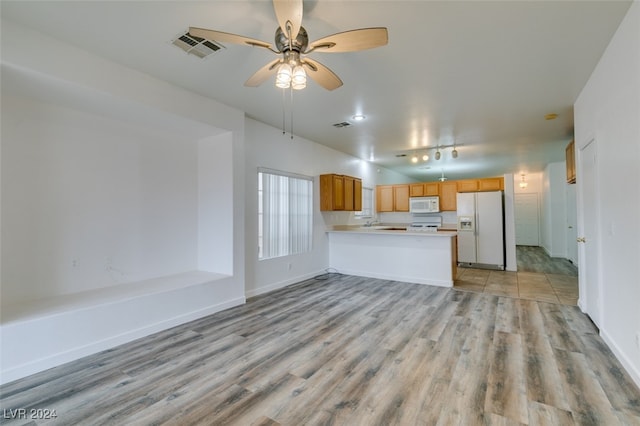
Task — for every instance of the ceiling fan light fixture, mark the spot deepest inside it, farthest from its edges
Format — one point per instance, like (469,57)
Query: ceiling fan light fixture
(437,155)
(425,157)
(454,153)
(414,159)
(284,76)
(299,78)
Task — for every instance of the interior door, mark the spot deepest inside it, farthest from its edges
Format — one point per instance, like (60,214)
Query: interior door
(527,218)
(588,248)
(572,227)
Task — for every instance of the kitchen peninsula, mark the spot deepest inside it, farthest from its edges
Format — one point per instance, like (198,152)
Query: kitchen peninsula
(393,253)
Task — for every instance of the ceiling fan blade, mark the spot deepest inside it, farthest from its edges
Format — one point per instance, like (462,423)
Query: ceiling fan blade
(351,41)
(263,74)
(227,37)
(321,74)
(289,11)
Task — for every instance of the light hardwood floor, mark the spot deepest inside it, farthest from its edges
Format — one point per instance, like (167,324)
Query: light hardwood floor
(350,351)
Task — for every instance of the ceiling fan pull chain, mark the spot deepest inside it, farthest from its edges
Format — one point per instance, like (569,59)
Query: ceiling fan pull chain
(283,113)
(291,122)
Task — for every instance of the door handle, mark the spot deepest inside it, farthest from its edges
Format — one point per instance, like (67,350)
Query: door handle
(581,240)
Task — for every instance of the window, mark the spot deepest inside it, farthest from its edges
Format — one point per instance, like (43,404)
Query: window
(285,213)
(367,204)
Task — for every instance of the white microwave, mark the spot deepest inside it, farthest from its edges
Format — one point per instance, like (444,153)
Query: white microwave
(424,204)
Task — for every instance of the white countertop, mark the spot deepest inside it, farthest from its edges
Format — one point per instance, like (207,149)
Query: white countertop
(383,230)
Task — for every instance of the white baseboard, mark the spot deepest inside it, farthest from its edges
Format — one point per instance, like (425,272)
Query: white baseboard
(633,370)
(405,279)
(275,286)
(55,359)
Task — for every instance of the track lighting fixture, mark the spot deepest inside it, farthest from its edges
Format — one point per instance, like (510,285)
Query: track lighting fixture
(417,156)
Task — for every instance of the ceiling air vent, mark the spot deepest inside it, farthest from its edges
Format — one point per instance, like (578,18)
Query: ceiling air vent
(343,124)
(196,46)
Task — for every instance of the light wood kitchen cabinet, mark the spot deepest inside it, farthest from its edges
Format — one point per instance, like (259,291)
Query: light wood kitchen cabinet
(424,189)
(357,194)
(448,196)
(416,190)
(341,193)
(348,193)
(479,185)
(384,198)
(401,198)
(467,185)
(392,198)
(570,153)
(491,184)
(431,189)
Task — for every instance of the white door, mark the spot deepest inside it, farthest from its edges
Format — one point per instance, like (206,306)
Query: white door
(588,248)
(572,227)
(527,217)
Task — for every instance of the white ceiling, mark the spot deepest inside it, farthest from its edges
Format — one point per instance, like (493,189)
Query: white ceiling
(481,74)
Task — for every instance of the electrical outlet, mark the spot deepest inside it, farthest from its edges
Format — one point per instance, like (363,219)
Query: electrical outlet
(74,263)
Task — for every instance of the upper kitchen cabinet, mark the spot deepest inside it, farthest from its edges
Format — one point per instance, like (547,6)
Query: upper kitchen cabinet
(448,196)
(570,152)
(342,193)
(491,184)
(468,185)
(425,189)
(401,198)
(384,198)
(392,198)
(479,185)
(357,194)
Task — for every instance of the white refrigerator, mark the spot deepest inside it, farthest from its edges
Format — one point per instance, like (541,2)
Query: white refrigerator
(481,229)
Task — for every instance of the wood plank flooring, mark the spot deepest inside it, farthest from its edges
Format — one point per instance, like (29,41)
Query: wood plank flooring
(348,351)
(535,259)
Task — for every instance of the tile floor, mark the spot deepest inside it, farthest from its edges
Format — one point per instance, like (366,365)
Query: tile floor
(555,288)
(539,277)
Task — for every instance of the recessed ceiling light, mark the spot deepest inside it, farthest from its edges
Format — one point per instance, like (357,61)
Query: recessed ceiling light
(551,116)
(358,117)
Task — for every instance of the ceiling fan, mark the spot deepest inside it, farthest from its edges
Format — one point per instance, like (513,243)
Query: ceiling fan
(292,44)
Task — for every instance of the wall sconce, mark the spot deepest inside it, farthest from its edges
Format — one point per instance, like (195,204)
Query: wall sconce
(523,183)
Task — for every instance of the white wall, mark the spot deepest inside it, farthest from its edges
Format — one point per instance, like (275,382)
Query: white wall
(267,147)
(554,211)
(90,201)
(103,182)
(608,111)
